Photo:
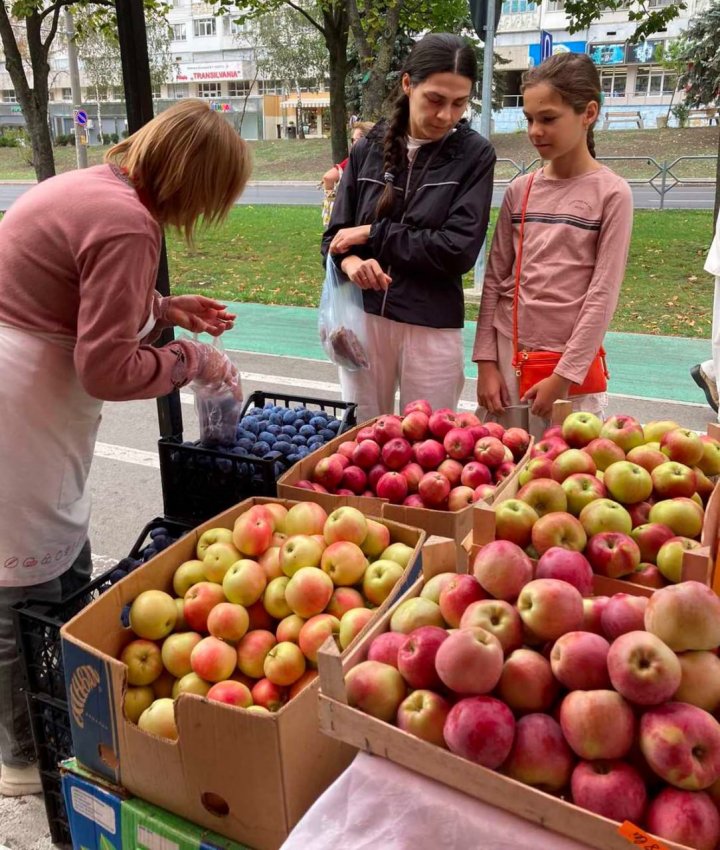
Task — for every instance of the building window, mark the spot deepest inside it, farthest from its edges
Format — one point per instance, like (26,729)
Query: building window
(208,89)
(179,32)
(658,4)
(67,94)
(177,91)
(118,93)
(517,7)
(614,83)
(235,27)
(654,82)
(270,87)
(9,96)
(156,92)
(556,6)
(239,88)
(203,27)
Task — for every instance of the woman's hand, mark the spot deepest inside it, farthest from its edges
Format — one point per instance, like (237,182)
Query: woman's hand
(542,396)
(492,391)
(197,314)
(367,274)
(348,237)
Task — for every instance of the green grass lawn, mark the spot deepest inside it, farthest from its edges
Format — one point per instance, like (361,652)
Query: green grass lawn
(270,255)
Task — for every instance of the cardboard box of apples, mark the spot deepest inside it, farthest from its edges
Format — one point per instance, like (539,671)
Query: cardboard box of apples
(425,468)
(513,691)
(191,681)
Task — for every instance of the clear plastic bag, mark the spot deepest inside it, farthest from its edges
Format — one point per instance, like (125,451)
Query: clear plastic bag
(218,407)
(341,321)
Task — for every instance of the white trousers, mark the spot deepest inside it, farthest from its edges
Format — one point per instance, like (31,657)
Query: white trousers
(422,362)
(712,367)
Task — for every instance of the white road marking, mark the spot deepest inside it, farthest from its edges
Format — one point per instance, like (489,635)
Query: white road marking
(127,455)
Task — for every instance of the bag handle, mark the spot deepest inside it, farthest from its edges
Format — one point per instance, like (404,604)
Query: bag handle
(518,268)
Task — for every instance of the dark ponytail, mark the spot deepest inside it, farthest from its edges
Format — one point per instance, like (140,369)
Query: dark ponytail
(437,53)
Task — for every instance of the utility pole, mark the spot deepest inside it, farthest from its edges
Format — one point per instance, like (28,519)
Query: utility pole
(76,91)
(486,119)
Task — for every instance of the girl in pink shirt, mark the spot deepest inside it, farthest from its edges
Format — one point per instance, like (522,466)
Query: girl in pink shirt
(577,229)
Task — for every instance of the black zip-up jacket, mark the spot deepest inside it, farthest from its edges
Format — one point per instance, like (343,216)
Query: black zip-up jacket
(435,231)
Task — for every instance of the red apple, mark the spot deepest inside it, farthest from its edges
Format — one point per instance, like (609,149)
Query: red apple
(456,595)
(650,537)
(611,788)
(550,448)
(375,473)
(452,470)
(682,445)
(366,454)
(527,683)
(672,479)
(644,670)
(474,474)
(415,426)
(469,661)
(624,431)
(566,565)
(613,554)
(416,657)
(433,489)
(385,647)
(497,617)
(597,724)
(646,457)
(387,428)
(558,529)
(424,714)
(490,451)
(581,428)
(503,569)
(685,817)
(579,661)
(375,688)
(571,462)
(396,453)
(458,443)
(420,404)
(413,473)
(549,608)
(393,487)
(480,729)
(517,440)
(328,472)
(537,467)
(540,756)
(429,454)
(514,520)
(604,452)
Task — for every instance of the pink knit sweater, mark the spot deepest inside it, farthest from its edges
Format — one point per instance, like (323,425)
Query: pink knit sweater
(78,257)
(577,234)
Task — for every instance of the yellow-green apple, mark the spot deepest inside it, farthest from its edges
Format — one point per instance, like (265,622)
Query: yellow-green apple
(469,661)
(558,529)
(270,562)
(276,541)
(653,431)
(315,632)
(180,624)
(458,443)
(566,565)
(624,431)
(517,440)
(274,600)
(628,482)
(544,496)
(415,426)
(433,586)
(550,607)
(514,520)
(345,523)
(592,613)
(143,660)
(429,454)
(376,540)
(681,743)
(252,532)
(649,538)
(537,467)
(379,579)
(579,661)
(257,709)
(344,599)
(643,669)
(672,479)
(188,574)
(375,688)
(136,700)
(648,575)
(670,557)
(581,428)
(213,659)
(709,463)
(176,650)
(278,513)
(284,664)
(305,518)
(399,552)
(597,724)
(231,692)
(300,550)
(227,621)
(159,719)
(191,683)
(244,582)
(251,652)
(413,613)
(219,557)
(308,592)
(581,489)
(385,648)
(605,515)
(502,569)
(153,614)
(480,729)
(646,457)
(270,696)
(212,535)
(623,613)
(688,818)
(571,462)
(700,682)
(289,628)
(423,714)
(540,755)
(604,452)
(456,595)
(527,683)
(703,484)
(611,788)
(163,685)
(549,447)
(259,616)
(352,623)
(344,563)
(685,616)
(612,554)
(683,516)
(416,657)
(497,617)
(682,445)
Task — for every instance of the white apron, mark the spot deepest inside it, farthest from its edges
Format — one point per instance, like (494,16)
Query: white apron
(48,427)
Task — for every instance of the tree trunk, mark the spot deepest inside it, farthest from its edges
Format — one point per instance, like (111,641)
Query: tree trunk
(717,185)
(336,39)
(101,137)
(378,64)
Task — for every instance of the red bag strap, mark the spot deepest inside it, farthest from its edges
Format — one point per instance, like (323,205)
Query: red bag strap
(518,267)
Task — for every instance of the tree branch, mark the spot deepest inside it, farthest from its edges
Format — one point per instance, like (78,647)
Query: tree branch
(306,15)
(13,57)
(358,32)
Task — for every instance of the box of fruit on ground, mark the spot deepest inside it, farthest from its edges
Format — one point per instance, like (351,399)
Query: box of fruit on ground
(191,682)
(623,503)
(598,728)
(425,468)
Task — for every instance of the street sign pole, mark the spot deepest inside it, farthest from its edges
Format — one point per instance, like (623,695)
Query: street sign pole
(486,120)
(79,128)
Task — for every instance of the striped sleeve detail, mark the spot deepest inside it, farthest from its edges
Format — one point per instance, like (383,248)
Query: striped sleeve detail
(550,218)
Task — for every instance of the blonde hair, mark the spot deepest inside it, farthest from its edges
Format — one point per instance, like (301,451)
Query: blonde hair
(363,126)
(189,162)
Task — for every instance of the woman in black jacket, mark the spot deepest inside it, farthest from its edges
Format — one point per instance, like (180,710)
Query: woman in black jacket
(409,220)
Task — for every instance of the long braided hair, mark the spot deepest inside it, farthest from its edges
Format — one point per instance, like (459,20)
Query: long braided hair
(437,53)
(575,78)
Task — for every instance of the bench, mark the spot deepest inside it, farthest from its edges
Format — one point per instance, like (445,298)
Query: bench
(623,118)
(698,117)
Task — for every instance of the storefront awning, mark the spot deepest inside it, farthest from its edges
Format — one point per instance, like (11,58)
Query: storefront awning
(305,104)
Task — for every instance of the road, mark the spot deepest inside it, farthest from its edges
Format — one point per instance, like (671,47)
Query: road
(690,197)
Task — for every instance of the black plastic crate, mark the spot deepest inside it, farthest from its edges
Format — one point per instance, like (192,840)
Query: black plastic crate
(38,624)
(200,482)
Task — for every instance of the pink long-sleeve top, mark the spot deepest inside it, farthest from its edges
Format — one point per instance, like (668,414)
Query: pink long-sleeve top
(78,257)
(577,235)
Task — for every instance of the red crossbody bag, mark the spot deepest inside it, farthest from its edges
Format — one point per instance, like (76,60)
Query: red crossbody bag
(533,366)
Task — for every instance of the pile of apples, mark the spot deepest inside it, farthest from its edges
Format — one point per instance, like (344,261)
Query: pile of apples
(630,499)
(250,612)
(426,458)
(608,702)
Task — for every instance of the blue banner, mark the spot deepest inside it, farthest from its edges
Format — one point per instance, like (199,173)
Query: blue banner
(558,47)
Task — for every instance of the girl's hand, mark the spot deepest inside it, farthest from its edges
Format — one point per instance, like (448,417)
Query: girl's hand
(492,391)
(197,313)
(348,237)
(367,274)
(542,396)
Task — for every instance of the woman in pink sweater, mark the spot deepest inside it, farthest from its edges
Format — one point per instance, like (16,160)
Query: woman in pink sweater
(577,225)
(79,255)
